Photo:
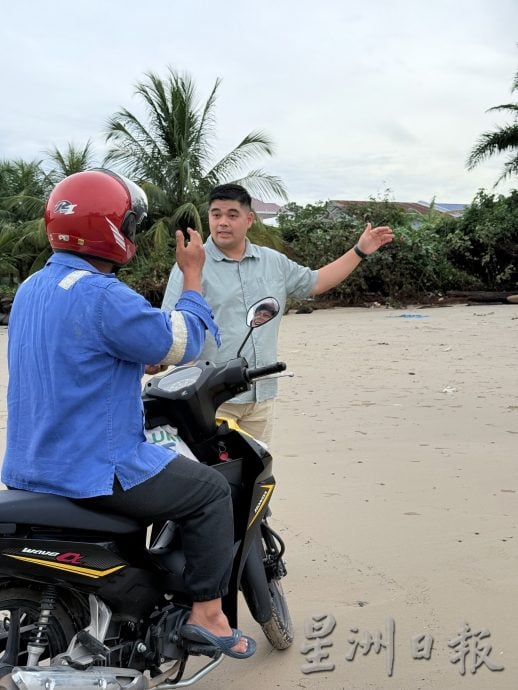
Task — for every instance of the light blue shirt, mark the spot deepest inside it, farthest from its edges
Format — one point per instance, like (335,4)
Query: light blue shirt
(231,287)
(78,340)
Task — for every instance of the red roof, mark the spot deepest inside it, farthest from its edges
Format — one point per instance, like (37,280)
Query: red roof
(423,209)
(420,207)
(265,206)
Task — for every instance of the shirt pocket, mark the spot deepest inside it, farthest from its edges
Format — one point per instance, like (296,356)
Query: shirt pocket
(260,289)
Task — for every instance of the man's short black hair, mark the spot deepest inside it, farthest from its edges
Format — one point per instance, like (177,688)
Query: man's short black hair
(231,192)
(266,306)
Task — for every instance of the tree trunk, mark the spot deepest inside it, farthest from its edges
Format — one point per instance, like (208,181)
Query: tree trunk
(486,296)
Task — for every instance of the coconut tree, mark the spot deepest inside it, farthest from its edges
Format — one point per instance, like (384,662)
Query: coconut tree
(8,264)
(502,139)
(72,160)
(171,153)
(24,187)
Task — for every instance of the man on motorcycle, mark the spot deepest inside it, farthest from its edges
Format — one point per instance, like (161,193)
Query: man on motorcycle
(78,343)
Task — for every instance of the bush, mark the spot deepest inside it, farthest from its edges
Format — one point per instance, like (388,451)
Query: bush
(412,267)
(483,243)
(148,274)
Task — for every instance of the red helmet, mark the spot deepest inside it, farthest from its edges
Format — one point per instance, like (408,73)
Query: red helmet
(95,213)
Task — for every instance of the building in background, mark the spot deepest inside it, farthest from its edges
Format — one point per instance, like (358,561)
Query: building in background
(421,208)
(265,210)
(268,211)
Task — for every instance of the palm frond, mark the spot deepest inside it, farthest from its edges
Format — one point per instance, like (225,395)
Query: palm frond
(513,107)
(32,234)
(40,260)
(24,178)
(201,140)
(502,139)
(158,235)
(133,148)
(8,267)
(187,214)
(489,143)
(253,145)
(260,184)
(266,235)
(159,201)
(73,160)
(28,206)
(510,169)
(8,236)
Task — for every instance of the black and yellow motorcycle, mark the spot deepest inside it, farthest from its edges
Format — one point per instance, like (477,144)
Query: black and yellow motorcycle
(92,600)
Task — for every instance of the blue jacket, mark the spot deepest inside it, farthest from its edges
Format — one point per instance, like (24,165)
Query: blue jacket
(78,343)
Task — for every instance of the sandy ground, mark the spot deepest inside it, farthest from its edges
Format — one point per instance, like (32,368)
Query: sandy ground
(396,448)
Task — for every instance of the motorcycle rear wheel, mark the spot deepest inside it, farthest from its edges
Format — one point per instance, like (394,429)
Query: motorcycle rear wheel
(25,603)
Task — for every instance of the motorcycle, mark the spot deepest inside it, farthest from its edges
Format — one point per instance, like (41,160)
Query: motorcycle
(93,600)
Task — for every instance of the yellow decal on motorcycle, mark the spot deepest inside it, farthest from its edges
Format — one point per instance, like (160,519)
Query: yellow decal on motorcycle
(232,424)
(265,497)
(78,570)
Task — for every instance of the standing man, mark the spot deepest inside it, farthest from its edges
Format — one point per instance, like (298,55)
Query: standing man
(237,274)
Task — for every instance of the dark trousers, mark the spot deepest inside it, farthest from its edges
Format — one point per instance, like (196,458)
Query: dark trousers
(197,498)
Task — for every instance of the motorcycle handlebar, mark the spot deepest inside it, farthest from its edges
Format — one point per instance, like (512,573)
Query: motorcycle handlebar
(265,371)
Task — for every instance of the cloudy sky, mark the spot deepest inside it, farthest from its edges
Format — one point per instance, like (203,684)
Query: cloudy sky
(359,97)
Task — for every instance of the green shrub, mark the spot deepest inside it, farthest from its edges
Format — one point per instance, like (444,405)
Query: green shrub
(414,265)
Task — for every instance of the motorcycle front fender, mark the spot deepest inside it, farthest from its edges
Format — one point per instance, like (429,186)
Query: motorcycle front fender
(254,580)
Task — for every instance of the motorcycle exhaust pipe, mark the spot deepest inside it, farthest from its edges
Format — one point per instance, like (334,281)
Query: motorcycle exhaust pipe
(53,678)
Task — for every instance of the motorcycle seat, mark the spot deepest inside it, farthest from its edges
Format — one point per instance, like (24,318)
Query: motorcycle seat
(48,510)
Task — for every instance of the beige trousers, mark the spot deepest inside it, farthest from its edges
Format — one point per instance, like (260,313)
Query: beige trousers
(256,418)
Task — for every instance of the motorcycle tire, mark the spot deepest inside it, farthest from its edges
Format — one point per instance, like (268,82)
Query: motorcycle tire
(62,626)
(279,629)
(273,614)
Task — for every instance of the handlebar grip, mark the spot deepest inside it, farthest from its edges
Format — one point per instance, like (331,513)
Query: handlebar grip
(265,371)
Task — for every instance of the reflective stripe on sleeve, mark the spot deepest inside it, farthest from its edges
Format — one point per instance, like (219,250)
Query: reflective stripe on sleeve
(178,348)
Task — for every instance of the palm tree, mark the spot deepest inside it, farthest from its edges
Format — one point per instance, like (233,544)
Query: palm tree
(24,186)
(500,140)
(73,160)
(171,154)
(8,264)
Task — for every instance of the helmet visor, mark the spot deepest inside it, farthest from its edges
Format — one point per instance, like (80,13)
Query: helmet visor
(138,198)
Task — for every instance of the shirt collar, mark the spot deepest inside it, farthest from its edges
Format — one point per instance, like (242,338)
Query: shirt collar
(74,261)
(251,251)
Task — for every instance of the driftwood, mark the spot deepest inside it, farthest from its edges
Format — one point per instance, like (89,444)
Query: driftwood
(486,296)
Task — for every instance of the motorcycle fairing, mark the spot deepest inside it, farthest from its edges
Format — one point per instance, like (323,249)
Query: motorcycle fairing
(89,560)
(261,504)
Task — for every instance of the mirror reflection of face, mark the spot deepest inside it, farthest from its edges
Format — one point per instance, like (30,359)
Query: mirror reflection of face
(261,316)
(262,311)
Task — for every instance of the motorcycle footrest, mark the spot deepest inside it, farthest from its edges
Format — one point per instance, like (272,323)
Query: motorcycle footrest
(91,644)
(199,649)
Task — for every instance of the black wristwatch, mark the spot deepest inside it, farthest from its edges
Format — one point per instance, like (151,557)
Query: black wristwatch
(359,252)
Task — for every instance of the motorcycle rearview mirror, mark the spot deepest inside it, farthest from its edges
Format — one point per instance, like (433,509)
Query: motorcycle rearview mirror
(258,314)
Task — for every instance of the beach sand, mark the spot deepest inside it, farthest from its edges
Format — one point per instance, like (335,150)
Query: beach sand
(396,453)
